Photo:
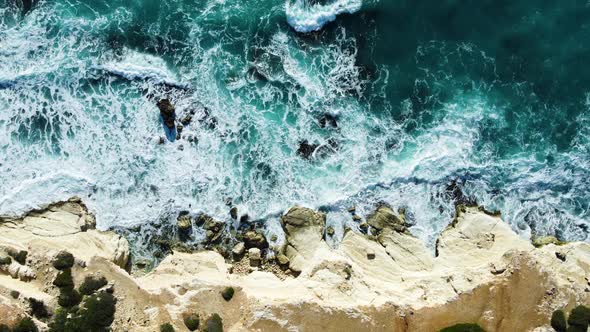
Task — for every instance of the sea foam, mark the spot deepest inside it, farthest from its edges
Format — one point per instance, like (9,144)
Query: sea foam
(305,17)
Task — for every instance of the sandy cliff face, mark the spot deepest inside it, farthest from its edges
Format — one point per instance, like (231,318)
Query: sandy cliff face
(482,273)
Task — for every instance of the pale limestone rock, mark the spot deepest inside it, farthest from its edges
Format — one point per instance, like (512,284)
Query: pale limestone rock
(404,288)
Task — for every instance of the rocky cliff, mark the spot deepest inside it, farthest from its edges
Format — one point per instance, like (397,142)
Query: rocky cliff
(481,272)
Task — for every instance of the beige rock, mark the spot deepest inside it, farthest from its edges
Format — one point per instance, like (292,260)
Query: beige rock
(484,273)
(254,256)
(58,228)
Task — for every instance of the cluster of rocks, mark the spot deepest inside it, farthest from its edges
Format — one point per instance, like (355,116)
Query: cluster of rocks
(174,126)
(305,229)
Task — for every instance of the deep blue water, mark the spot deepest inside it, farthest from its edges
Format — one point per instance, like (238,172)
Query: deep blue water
(401,99)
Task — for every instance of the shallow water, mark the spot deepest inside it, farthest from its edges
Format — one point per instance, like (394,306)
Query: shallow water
(491,95)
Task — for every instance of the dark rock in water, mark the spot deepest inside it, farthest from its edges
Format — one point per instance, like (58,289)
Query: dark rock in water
(184,224)
(213,228)
(186,120)
(168,115)
(244,218)
(306,150)
(253,239)
(179,128)
(330,231)
(168,112)
(328,120)
(455,193)
(233,212)
(254,73)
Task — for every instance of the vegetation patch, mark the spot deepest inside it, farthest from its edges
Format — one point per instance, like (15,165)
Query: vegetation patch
(96,313)
(228,293)
(63,260)
(25,325)
(64,279)
(192,322)
(68,297)
(463,328)
(38,308)
(558,321)
(578,320)
(213,324)
(91,284)
(166,328)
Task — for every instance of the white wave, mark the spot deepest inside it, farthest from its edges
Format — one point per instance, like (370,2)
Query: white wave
(38,192)
(304,17)
(140,66)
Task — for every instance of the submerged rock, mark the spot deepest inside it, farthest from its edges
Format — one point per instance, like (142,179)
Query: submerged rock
(168,112)
(328,120)
(306,149)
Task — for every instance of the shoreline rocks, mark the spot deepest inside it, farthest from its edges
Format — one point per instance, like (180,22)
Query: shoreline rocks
(483,274)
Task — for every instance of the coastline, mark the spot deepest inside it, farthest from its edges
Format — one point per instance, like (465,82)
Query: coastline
(482,272)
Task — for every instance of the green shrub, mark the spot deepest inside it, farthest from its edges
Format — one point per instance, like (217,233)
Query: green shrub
(64,279)
(19,256)
(63,260)
(91,285)
(166,328)
(579,317)
(68,297)
(463,328)
(97,310)
(5,260)
(213,324)
(192,322)
(60,319)
(228,293)
(38,308)
(25,325)
(558,321)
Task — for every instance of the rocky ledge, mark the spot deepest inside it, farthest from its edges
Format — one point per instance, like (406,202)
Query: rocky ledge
(58,273)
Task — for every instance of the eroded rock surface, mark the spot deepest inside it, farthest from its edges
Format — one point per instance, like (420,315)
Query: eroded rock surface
(483,273)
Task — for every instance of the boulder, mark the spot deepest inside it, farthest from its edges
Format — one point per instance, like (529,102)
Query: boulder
(306,149)
(384,217)
(213,228)
(254,239)
(304,230)
(255,257)
(239,250)
(545,240)
(168,112)
(184,224)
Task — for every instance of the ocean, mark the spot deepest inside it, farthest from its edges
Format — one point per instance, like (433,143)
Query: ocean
(327,104)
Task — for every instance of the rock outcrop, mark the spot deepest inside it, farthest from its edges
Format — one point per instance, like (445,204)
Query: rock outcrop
(482,273)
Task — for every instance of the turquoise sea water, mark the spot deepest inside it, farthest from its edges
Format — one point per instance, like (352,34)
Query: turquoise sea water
(489,96)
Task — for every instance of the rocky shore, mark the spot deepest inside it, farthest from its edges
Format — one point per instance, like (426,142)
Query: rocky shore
(60,272)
